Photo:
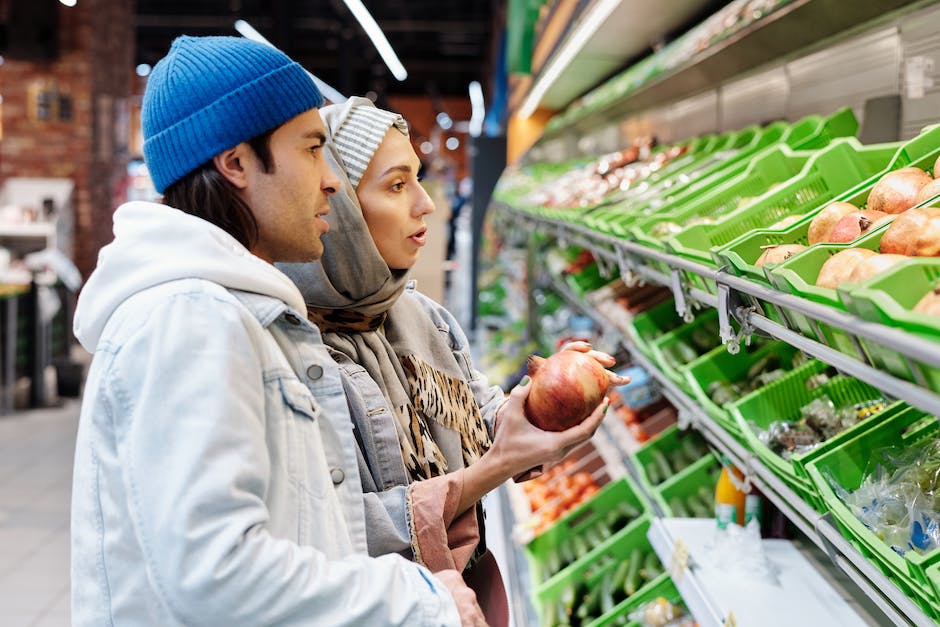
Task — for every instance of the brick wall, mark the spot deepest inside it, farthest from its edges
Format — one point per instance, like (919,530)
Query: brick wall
(94,71)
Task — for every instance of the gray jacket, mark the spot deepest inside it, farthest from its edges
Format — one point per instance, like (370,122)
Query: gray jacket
(382,471)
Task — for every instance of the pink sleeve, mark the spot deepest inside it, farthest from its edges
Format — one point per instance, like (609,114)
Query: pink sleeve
(440,540)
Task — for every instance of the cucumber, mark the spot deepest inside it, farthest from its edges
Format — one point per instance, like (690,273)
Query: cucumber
(580,547)
(651,566)
(652,473)
(631,582)
(590,603)
(660,460)
(707,495)
(697,508)
(678,508)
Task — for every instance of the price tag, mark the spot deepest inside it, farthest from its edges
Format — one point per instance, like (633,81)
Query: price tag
(679,561)
(730,621)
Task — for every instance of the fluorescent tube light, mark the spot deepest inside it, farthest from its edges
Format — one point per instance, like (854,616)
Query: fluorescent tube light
(478,109)
(595,15)
(248,32)
(375,33)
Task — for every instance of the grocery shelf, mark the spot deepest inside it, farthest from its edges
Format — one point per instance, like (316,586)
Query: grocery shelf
(714,596)
(631,257)
(820,529)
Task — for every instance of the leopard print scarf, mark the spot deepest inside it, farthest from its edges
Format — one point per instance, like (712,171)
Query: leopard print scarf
(429,394)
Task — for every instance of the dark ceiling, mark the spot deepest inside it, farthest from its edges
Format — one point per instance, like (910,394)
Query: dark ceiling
(443,44)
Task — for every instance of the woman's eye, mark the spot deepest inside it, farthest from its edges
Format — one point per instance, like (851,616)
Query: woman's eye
(398,186)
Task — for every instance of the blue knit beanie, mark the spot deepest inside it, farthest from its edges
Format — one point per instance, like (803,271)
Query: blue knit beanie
(209,94)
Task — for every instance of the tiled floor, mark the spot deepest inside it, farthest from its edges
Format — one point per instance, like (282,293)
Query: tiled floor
(36,451)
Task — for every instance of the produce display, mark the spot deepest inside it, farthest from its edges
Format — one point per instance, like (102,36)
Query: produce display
(664,465)
(764,371)
(819,420)
(579,603)
(556,493)
(899,497)
(580,544)
(700,504)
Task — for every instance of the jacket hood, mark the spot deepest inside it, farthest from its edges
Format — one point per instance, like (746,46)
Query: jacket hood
(154,244)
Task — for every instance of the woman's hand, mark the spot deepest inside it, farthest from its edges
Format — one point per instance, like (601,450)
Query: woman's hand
(520,446)
(602,358)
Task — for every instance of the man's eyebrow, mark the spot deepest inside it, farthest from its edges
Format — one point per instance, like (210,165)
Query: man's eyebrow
(316,135)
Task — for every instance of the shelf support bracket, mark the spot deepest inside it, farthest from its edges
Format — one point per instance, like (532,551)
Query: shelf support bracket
(683,305)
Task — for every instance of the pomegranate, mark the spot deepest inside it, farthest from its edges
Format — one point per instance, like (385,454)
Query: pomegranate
(565,389)
(915,232)
(825,220)
(928,191)
(854,225)
(897,191)
(778,254)
(874,265)
(838,268)
(929,305)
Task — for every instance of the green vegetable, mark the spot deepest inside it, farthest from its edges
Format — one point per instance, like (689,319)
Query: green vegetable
(664,468)
(678,508)
(632,581)
(651,566)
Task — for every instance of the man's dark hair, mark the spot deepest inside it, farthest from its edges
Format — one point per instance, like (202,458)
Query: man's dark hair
(206,194)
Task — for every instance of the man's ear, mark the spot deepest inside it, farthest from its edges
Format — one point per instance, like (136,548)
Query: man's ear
(233,164)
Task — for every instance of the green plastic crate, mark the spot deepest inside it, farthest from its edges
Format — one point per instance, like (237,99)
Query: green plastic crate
(704,326)
(889,299)
(740,254)
(598,564)
(720,365)
(666,443)
(797,275)
(583,518)
(663,587)
(651,324)
(846,465)
(724,194)
(808,133)
(609,218)
(782,400)
(687,483)
(834,170)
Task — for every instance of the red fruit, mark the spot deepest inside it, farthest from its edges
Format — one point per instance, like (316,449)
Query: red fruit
(565,389)
(929,305)
(897,191)
(856,224)
(821,226)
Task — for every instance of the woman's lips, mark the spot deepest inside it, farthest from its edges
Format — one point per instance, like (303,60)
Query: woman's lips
(420,238)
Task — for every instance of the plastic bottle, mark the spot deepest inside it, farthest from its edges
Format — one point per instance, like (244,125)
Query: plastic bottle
(730,501)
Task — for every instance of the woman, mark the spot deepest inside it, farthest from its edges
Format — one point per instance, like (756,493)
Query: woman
(424,418)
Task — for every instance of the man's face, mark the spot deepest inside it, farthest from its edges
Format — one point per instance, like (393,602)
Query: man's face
(290,200)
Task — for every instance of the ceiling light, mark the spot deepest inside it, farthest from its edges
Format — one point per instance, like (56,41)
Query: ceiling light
(69,3)
(375,33)
(426,148)
(444,121)
(247,31)
(143,69)
(478,110)
(593,17)
(452,143)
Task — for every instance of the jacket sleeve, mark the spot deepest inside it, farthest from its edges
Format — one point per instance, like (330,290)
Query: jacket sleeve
(196,466)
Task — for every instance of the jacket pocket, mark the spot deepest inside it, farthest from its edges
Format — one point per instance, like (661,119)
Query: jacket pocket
(298,397)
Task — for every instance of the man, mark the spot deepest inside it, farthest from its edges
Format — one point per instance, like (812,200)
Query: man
(216,481)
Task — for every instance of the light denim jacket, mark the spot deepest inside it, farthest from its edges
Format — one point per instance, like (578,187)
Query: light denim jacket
(384,477)
(215,477)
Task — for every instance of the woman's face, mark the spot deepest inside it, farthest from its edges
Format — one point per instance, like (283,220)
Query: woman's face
(393,201)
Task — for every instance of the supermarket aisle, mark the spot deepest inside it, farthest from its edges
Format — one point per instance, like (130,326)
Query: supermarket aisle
(36,451)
